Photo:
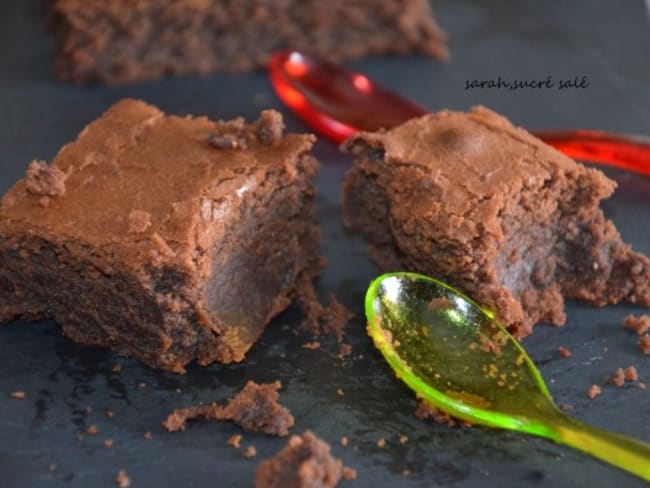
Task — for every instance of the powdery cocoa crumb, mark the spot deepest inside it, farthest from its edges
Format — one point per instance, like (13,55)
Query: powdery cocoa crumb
(381,442)
(44,180)
(631,374)
(336,318)
(255,408)
(139,221)
(344,441)
(644,344)
(92,430)
(594,391)
(305,461)
(640,324)
(425,411)
(123,480)
(147,435)
(235,441)
(250,452)
(108,443)
(311,345)
(564,352)
(349,473)
(345,350)
(17,395)
(403,439)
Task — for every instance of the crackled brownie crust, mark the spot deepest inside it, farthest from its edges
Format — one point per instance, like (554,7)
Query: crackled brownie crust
(120,41)
(148,236)
(473,200)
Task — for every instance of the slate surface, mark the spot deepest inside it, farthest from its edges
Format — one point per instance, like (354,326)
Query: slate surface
(39,445)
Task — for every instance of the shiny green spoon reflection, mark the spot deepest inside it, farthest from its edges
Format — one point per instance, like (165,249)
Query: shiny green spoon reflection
(454,355)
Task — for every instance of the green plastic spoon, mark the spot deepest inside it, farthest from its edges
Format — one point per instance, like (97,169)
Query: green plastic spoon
(454,355)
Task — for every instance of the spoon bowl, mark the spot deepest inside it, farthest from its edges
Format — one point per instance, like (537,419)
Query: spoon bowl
(456,356)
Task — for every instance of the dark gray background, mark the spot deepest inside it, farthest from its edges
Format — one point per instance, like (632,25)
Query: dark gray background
(609,42)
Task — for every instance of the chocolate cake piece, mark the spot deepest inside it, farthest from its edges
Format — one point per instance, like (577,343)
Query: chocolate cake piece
(121,41)
(305,462)
(492,210)
(165,238)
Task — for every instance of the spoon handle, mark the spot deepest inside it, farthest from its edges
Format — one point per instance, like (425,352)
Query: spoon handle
(621,451)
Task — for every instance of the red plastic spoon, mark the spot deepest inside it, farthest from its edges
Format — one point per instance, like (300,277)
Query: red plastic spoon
(338,103)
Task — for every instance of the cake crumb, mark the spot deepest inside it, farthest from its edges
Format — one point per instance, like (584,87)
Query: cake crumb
(255,408)
(109,414)
(406,472)
(311,345)
(567,407)
(306,460)
(269,127)
(340,392)
(381,442)
(644,344)
(349,473)
(564,352)
(344,441)
(425,410)
(117,368)
(123,479)
(250,452)
(594,391)
(139,221)
(108,443)
(17,395)
(88,410)
(619,377)
(235,441)
(142,385)
(640,324)
(52,467)
(631,374)
(44,180)
(641,385)
(345,350)
(147,435)
(439,303)
(403,439)
(336,317)
(92,430)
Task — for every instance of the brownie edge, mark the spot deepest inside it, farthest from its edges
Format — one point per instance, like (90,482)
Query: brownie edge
(153,237)
(475,201)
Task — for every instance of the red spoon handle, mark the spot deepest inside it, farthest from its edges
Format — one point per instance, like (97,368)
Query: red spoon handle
(339,103)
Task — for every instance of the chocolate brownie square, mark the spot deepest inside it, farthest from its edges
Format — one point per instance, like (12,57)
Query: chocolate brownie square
(165,238)
(487,207)
(120,41)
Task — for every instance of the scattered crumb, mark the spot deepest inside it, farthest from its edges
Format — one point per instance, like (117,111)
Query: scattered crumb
(345,350)
(619,377)
(254,408)
(117,368)
(311,345)
(406,472)
(492,344)
(425,410)
(567,407)
(147,435)
(403,439)
(108,443)
(349,473)
(439,303)
(235,441)
(17,395)
(123,480)
(641,385)
(340,392)
(344,441)
(92,430)
(594,391)
(564,352)
(109,414)
(631,374)
(640,324)
(381,442)
(250,452)
(52,467)
(88,410)
(142,385)
(335,318)
(305,461)
(320,320)
(644,344)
